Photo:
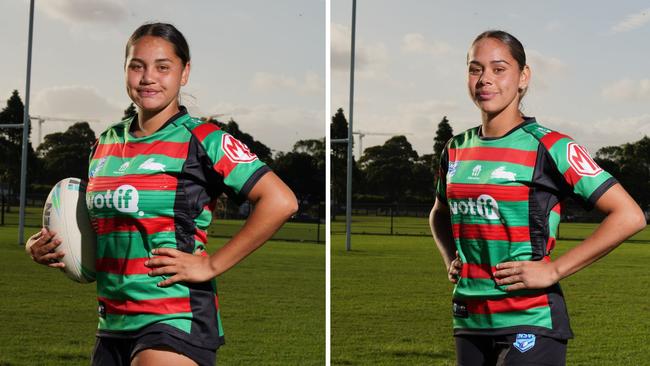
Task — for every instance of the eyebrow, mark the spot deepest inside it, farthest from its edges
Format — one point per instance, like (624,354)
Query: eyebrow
(156,60)
(491,62)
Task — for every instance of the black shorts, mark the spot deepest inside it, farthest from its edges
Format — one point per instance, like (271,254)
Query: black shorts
(120,351)
(510,350)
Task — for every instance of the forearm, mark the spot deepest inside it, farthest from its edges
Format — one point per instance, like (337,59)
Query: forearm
(440,223)
(268,216)
(614,229)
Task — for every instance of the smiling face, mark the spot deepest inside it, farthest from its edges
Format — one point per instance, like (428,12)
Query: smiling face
(154,75)
(495,78)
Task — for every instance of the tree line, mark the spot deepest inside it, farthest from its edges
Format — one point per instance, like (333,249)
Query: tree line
(395,173)
(65,154)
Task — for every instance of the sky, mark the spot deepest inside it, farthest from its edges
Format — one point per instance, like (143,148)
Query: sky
(260,63)
(590,74)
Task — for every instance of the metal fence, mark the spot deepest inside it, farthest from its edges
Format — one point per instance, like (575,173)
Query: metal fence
(307,225)
(413,219)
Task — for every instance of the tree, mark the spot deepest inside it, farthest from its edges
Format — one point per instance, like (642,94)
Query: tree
(262,151)
(130,111)
(65,154)
(443,134)
(629,163)
(338,158)
(11,140)
(422,183)
(388,167)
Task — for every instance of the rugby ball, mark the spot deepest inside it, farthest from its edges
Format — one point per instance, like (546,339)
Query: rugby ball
(66,214)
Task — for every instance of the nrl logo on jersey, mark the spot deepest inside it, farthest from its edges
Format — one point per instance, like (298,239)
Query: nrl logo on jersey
(484,206)
(100,164)
(451,171)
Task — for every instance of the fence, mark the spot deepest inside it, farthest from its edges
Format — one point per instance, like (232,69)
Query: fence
(413,219)
(307,225)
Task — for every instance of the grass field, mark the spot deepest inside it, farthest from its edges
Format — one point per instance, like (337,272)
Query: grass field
(273,307)
(391,303)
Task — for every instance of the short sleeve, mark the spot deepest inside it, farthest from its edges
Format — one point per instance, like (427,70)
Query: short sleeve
(581,177)
(441,186)
(238,167)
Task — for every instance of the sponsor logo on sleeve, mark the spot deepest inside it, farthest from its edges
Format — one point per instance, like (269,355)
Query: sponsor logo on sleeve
(524,342)
(235,150)
(581,162)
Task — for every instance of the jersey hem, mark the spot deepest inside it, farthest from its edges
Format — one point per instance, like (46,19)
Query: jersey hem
(162,328)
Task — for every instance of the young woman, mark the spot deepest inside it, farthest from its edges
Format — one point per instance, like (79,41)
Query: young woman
(153,181)
(497,211)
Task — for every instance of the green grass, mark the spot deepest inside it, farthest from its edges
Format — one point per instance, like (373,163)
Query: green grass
(391,303)
(273,308)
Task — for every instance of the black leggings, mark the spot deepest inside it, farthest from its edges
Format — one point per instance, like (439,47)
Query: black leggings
(510,350)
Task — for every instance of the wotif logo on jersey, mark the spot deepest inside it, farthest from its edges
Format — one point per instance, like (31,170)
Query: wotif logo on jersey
(484,206)
(124,199)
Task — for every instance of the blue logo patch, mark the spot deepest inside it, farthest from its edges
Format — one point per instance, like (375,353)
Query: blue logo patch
(524,342)
(100,164)
(453,165)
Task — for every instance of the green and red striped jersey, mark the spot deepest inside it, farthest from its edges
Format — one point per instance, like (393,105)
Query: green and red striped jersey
(504,196)
(159,191)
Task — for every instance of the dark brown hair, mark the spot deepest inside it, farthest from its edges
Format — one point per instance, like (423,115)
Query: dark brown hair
(165,31)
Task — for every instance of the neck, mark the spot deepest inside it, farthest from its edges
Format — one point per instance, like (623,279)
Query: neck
(151,121)
(497,125)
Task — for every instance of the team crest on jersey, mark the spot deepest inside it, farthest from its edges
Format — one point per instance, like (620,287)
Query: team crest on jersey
(581,162)
(235,150)
(524,342)
(502,173)
(151,164)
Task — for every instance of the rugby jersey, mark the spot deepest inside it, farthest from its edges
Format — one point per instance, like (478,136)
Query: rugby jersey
(153,192)
(504,196)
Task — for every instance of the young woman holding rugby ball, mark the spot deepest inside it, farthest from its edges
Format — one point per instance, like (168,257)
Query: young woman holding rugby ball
(155,282)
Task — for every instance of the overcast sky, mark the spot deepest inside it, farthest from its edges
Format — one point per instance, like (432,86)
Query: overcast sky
(261,63)
(589,60)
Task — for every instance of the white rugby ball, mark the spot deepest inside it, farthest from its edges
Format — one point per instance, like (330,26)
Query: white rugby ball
(66,214)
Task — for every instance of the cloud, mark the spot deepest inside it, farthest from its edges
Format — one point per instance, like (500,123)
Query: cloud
(543,68)
(371,59)
(311,84)
(278,127)
(417,43)
(632,21)
(75,102)
(627,89)
(86,11)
